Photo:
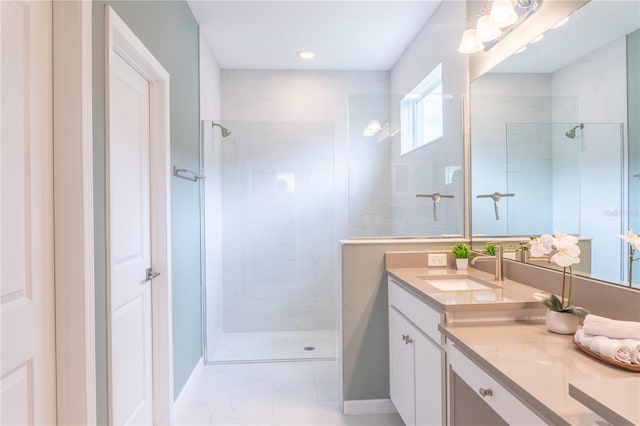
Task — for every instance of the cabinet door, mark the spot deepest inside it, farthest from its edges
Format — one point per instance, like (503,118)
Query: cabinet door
(429,381)
(401,368)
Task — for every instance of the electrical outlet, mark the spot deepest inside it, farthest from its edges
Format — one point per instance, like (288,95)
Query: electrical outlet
(437,259)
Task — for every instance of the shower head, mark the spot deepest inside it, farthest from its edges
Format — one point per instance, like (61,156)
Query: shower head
(571,134)
(225,132)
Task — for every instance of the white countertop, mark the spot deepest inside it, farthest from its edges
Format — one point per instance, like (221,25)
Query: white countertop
(505,294)
(615,400)
(538,366)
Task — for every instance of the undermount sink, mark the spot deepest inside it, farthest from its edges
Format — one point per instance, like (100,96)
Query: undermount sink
(458,284)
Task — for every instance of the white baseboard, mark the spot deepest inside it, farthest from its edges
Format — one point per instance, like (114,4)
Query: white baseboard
(369,406)
(178,403)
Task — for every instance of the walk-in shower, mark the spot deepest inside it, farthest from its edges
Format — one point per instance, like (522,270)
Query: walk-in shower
(270,241)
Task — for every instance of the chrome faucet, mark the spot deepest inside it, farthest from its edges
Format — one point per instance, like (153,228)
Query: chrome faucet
(499,272)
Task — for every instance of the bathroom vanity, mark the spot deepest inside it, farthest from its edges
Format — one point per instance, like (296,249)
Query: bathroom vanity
(466,349)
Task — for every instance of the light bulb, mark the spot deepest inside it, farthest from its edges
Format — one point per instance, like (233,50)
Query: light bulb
(502,13)
(469,44)
(486,30)
(306,54)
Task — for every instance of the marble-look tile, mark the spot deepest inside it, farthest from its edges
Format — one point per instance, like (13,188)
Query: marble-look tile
(287,393)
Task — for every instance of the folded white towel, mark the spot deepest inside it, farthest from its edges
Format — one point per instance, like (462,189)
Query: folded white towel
(601,326)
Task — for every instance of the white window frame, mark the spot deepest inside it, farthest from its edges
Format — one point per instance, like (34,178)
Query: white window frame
(411,123)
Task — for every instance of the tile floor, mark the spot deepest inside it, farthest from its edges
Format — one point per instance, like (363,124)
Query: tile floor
(281,345)
(301,393)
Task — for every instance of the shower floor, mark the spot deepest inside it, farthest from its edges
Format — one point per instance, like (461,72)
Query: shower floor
(270,346)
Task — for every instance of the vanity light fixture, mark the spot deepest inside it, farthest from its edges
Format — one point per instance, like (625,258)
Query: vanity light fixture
(502,13)
(470,43)
(492,27)
(373,127)
(486,30)
(306,54)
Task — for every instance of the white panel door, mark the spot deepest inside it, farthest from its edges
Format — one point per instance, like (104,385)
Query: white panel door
(26,215)
(130,247)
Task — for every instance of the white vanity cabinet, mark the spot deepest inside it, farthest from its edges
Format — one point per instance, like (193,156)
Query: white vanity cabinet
(417,361)
(487,391)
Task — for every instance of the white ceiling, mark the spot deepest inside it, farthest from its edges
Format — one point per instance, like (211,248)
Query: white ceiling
(346,35)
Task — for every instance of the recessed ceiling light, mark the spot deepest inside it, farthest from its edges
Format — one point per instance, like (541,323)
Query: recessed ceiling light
(561,23)
(306,54)
(537,39)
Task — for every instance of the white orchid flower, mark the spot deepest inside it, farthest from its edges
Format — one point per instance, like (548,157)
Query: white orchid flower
(567,253)
(632,239)
(541,246)
(560,238)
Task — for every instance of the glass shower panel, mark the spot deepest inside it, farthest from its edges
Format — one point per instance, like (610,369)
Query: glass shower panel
(369,166)
(602,202)
(210,157)
(279,242)
(383,184)
(543,174)
(568,177)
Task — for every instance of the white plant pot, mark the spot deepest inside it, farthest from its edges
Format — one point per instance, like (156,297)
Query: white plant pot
(561,322)
(462,263)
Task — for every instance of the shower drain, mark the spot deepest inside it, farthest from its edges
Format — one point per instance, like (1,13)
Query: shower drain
(309,348)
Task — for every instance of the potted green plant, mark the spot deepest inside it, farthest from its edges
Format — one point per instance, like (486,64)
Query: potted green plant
(461,253)
(562,316)
(490,249)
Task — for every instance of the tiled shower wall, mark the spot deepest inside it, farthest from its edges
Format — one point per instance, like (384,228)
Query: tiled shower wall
(277,201)
(496,100)
(285,194)
(601,80)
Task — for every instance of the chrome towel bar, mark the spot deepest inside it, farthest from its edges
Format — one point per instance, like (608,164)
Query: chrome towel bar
(187,174)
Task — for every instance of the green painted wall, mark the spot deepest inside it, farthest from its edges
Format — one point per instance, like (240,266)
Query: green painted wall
(169,31)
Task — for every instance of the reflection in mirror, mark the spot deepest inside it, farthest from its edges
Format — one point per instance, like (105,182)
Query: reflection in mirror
(417,193)
(551,127)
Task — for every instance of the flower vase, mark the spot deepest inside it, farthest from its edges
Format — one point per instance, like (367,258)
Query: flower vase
(561,322)
(462,264)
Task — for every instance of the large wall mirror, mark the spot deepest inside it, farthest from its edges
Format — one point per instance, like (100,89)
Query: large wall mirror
(554,138)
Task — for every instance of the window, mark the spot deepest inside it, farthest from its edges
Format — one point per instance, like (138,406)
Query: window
(421,113)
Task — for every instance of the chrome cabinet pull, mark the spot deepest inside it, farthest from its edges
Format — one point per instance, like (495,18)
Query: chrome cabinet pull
(151,274)
(485,392)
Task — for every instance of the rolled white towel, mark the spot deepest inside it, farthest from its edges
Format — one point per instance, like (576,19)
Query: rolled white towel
(615,349)
(592,342)
(601,326)
(578,336)
(634,346)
